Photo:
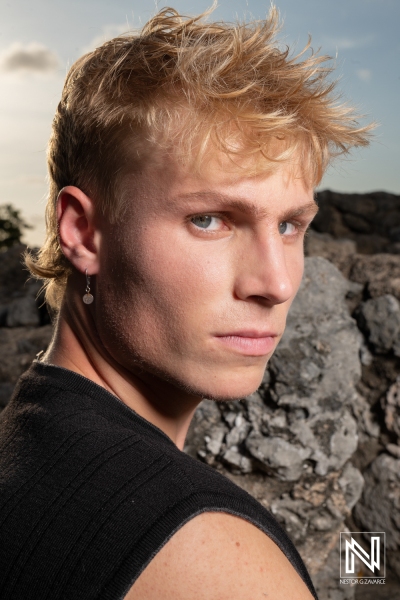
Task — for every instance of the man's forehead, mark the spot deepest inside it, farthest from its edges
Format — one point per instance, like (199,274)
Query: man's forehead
(169,183)
(302,204)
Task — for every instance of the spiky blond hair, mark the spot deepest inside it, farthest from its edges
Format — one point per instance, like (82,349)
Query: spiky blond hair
(188,84)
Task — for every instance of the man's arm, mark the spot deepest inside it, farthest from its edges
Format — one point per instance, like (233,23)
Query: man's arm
(217,556)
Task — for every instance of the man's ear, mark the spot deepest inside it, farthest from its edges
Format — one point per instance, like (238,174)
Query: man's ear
(78,233)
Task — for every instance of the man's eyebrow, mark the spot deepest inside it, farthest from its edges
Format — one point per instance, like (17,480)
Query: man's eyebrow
(309,208)
(226,202)
(246,206)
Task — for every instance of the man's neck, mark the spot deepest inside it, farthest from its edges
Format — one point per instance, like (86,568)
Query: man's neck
(159,402)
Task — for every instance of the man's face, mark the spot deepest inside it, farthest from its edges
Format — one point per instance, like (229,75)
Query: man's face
(196,282)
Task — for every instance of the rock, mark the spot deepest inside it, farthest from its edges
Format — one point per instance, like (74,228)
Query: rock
(380,319)
(21,309)
(22,312)
(338,251)
(279,456)
(352,482)
(19,347)
(379,506)
(372,220)
(325,580)
(206,434)
(379,273)
(214,441)
(391,406)
(393,449)
(236,461)
(316,367)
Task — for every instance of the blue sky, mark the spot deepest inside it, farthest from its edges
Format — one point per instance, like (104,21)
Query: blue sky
(39,39)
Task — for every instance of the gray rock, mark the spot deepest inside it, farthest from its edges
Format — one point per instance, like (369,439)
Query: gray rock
(279,456)
(22,312)
(237,461)
(393,449)
(214,440)
(207,430)
(380,319)
(316,367)
(326,580)
(372,220)
(379,507)
(337,251)
(380,273)
(391,406)
(352,482)
(294,514)
(332,440)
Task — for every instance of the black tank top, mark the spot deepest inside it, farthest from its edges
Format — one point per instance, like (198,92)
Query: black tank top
(90,492)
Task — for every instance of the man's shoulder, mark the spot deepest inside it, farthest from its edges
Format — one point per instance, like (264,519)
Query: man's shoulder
(218,555)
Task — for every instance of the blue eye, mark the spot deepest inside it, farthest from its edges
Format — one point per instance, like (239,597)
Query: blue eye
(203,221)
(286,228)
(208,223)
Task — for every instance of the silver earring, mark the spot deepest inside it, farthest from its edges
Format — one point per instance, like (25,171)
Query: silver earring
(87,298)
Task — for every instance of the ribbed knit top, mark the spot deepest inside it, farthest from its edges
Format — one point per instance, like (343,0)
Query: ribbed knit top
(90,492)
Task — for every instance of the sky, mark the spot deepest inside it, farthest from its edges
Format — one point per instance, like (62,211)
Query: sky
(40,39)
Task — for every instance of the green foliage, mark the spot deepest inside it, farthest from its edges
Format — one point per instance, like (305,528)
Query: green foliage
(11,226)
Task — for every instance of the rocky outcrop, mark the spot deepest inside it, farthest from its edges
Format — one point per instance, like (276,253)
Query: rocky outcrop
(373,262)
(379,506)
(379,319)
(371,220)
(379,274)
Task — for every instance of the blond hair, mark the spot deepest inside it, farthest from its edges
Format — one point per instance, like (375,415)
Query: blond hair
(188,84)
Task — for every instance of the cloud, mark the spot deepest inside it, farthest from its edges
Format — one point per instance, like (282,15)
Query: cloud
(347,43)
(364,75)
(108,32)
(32,58)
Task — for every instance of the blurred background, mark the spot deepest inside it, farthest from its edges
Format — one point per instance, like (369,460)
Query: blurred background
(39,41)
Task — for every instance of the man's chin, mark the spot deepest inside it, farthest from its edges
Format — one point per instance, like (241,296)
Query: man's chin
(225,392)
(229,396)
(220,384)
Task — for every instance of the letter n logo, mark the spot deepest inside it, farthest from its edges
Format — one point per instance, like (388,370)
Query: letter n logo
(373,560)
(373,557)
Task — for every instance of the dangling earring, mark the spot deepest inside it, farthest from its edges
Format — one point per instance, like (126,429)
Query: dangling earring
(87,298)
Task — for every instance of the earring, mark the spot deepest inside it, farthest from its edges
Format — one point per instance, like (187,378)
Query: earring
(87,298)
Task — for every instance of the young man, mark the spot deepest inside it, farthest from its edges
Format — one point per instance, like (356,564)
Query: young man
(182,165)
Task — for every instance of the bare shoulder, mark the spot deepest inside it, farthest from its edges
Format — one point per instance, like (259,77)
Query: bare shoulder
(217,555)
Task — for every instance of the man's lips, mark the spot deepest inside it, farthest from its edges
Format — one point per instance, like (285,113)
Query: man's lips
(249,342)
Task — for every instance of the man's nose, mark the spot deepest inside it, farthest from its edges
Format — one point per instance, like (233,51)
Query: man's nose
(263,272)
